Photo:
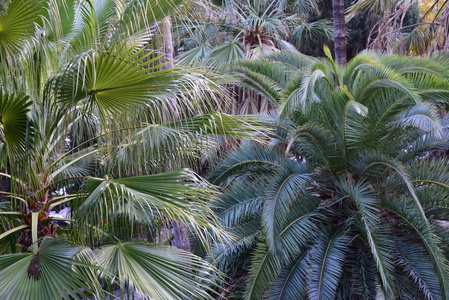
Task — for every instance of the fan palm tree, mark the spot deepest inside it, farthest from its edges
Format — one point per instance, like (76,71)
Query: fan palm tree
(347,199)
(217,36)
(248,29)
(91,119)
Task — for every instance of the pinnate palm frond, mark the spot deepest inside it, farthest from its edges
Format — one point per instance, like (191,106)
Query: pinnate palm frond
(411,256)
(291,284)
(428,238)
(264,268)
(423,116)
(327,259)
(241,201)
(281,194)
(251,158)
(375,234)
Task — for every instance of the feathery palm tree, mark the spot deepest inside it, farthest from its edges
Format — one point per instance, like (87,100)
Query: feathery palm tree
(426,36)
(347,199)
(90,116)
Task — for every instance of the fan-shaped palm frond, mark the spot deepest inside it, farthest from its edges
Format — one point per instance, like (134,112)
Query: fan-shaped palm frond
(155,271)
(17,24)
(45,275)
(15,123)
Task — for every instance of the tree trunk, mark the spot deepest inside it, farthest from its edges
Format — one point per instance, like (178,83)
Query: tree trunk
(338,15)
(165,28)
(180,231)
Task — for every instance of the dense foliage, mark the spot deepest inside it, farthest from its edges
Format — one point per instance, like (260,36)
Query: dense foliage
(345,199)
(84,102)
(113,111)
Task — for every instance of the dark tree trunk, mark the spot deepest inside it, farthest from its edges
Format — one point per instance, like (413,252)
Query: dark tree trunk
(338,14)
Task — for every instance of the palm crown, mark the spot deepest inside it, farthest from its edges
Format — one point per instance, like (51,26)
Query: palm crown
(346,199)
(83,94)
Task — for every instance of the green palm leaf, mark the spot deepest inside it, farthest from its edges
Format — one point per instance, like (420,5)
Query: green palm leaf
(328,256)
(18,24)
(47,275)
(15,127)
(116,80)
(429,240)
(418,267)
(141,14)
(291,283)
(147,200)
(264,268)
(157,272)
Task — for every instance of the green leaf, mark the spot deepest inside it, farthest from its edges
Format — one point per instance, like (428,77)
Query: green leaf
(264,268)
(47,275)
(15,129)
(291,284)
(327,259)
(18,24)
(157,272)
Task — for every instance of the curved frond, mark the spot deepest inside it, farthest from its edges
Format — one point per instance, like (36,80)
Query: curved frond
(326,266)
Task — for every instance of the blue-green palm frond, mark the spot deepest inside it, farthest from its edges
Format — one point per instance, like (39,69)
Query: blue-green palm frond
(48,274)
(240,202)
(157,272)
(249,159)
(326,265)
(411,256)
(282,193)
(291,284)
(264,268)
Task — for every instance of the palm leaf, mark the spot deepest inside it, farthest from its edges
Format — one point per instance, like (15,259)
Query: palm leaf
(15,124)
(46,275)
(115,81)
(418,267)
(157,272)
(327,259)
(147,200)
(18,24)
(142,14)
(291,284)
(264,268)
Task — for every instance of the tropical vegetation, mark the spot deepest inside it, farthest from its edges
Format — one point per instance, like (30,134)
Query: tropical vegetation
(347,197)
(85,103)
(169,149)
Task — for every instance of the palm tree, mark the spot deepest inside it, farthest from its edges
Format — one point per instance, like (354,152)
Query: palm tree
(347,199)
(248,29)
(425,36)
(217,36)
(90,118)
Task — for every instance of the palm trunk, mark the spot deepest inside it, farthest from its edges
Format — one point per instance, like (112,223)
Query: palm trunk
(338,14)
(165,28)
(181,238)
